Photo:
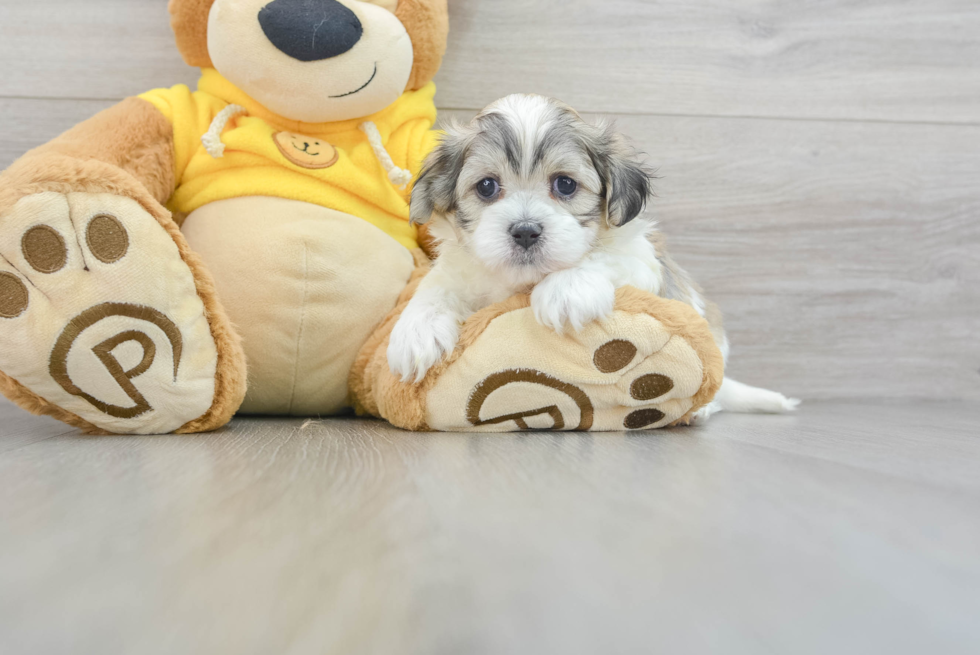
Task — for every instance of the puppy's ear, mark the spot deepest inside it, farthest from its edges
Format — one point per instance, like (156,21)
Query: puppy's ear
(628,188)
(435,189)
(628,185)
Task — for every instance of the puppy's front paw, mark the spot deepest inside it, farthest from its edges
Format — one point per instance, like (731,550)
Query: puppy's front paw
(421,338)
(574,298)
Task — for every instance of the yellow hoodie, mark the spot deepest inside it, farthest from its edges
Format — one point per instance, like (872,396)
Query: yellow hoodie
(328,164)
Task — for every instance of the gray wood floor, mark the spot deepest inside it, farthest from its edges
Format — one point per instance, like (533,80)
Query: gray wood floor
(846,528)
(819,161)
(820,167)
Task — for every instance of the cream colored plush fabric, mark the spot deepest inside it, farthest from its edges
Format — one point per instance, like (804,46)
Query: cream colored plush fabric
(651,364)
(544,381)
(362,81)
(305,286)
(100,315)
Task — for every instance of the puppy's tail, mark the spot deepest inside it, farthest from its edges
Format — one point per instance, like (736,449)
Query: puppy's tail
(737,397)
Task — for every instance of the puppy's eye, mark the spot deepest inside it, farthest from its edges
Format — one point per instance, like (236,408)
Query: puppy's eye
(564,187)
(488,188)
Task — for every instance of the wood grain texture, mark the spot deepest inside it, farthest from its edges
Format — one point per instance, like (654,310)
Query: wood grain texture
(842,529)
(913,60)
(19,429)
(30,123)
(844,255)
(96,49)
(856,59)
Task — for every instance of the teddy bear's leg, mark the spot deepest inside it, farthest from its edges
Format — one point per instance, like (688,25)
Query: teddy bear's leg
(305,286)
(101,320)
(108,321)
(653,363)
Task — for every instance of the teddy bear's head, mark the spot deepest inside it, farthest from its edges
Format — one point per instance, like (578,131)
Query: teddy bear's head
(316,60)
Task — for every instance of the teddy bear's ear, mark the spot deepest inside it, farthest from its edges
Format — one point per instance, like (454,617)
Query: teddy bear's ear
(189,19)
(427,23)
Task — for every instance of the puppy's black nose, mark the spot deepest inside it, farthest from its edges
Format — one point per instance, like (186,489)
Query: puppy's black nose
(310,30)
(525,234)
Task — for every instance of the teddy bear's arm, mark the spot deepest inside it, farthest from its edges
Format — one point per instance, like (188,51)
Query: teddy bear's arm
(126,150)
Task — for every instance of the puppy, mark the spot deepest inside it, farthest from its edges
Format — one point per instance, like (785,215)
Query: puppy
(530,197)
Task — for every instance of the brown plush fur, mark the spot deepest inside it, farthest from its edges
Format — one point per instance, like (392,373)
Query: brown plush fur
(427,242)
(681,320)
(189,20)
(132,136)
(377,392)
(678,285)
(33,403)
(128,150)
(364,372)
(426,21)
(231,379)
(118,162)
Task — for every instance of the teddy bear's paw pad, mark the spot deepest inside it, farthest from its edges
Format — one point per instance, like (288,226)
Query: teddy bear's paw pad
(627,373)
(100,315)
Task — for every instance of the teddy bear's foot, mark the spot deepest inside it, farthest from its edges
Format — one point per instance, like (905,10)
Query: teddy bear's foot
(101,323)
(653,363)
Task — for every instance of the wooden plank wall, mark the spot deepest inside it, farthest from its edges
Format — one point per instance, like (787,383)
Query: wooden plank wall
(820,162)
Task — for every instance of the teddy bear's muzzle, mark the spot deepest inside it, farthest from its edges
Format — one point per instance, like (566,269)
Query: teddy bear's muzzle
(310,30)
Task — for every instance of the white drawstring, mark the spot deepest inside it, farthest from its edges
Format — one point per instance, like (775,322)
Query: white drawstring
(212,138)
(214,147)
(398,176)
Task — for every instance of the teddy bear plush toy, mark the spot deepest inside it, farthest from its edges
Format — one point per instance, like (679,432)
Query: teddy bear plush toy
(246,247)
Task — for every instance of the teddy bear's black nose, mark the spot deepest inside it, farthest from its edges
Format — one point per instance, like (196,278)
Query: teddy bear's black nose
(310,30)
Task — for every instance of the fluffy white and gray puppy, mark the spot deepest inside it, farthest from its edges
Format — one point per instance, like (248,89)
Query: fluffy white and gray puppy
(530,197)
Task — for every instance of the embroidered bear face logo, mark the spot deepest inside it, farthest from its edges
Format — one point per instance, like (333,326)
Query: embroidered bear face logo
(306,151)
